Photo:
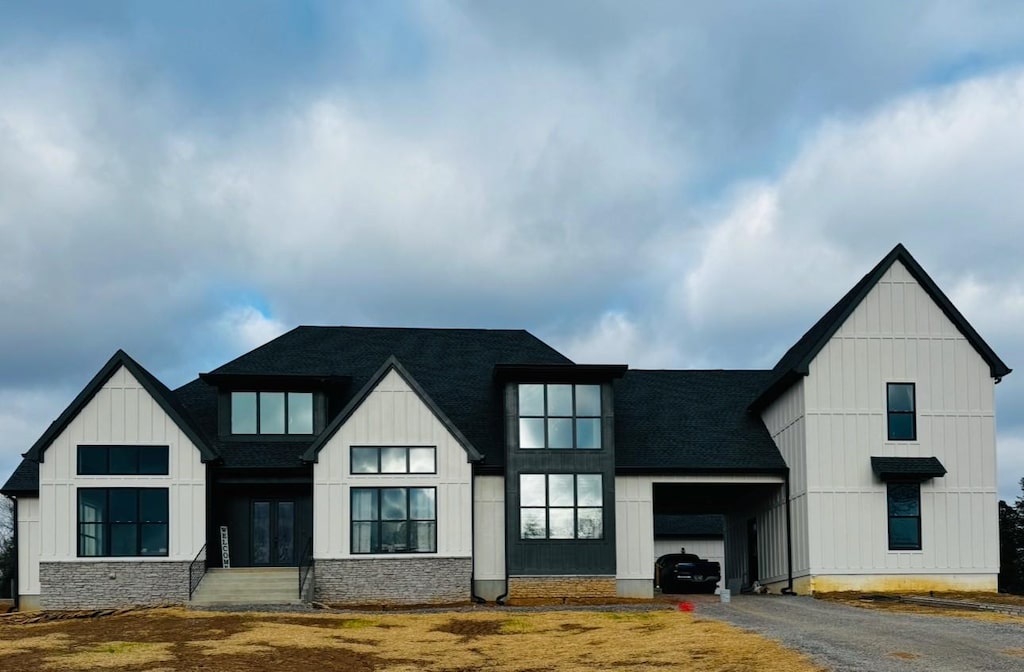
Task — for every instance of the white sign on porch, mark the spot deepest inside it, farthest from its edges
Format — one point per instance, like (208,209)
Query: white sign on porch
(225,557)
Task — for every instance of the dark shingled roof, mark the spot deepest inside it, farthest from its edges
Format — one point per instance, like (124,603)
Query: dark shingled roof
(691,421)
(907,467)
(688,525)
(797,360)
(24,480)
(455,367)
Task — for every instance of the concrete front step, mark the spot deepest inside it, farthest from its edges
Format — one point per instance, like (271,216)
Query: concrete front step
(249,585)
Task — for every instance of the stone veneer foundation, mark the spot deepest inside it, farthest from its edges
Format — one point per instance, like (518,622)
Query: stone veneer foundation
(421,580)
(111,584)
(561,587)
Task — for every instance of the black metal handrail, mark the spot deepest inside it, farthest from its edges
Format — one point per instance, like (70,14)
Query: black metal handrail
(193,577)
(305,565)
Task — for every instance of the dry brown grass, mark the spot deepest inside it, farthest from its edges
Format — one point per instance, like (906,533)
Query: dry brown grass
(857,599)
(501,641)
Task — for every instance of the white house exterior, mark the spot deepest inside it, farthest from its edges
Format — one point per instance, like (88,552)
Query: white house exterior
(442,465)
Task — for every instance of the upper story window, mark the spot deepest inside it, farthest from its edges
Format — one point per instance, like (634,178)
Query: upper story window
(393,460)
(901,405)
(123,460)
(560,416)
(271,412)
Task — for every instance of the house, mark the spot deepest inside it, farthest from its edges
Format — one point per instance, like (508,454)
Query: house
(435,465)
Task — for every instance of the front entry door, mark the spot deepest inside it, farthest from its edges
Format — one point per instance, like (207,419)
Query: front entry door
(273,532)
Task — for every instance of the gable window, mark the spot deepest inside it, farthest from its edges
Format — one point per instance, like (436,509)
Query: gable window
(560,506)
(393,460)
(901,406)
(560,416)
(904,504)
(123,460)
(122,522)
(271,412)
(394,520)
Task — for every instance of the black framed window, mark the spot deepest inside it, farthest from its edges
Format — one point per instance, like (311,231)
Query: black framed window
(901,405)
(394,460)
(122,522)
(394,520)
(904,506)
(271,412)
(560,416)
(123,460)
(561,506)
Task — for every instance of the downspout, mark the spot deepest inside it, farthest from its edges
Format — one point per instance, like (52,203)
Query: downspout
(476,599)
(788,590)
(501,598)
(15,587)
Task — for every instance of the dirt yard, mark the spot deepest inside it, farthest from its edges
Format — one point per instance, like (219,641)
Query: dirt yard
(174,639)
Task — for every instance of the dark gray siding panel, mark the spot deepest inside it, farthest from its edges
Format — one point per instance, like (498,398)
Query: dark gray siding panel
(560,557)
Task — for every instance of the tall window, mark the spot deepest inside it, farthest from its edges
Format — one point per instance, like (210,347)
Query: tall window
(904,500)
(117,460)
(122,522)
(271,412)
(560,416)
(396,460)
(901,406)
(394,520)
(560,506)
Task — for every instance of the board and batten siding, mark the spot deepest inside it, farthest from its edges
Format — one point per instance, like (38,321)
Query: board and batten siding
(898,334)
(122,412)
(785,421)
(489,528)
(28,545)
(391,415)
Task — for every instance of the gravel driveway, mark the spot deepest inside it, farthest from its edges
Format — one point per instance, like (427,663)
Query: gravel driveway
(849,638)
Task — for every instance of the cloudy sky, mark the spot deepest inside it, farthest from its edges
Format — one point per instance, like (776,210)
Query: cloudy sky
(662,184)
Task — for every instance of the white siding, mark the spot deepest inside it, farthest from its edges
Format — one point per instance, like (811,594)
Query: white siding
(28,545)
(785,420)
(898,334)
(489,528)
(709,549)
(121,412)
(392,415)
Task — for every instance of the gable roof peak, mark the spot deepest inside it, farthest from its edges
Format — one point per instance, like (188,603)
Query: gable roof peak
(797,360)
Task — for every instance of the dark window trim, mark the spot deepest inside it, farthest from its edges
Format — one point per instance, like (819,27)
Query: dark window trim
(912,413)
(377,449)
(138,447)
(574,417)
(287,403)
(377,522)
(575,539)
(890,516)
(106,524)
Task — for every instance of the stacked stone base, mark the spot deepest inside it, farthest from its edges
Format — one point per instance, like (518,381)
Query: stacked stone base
(112,584)
(386,581)
(561,587)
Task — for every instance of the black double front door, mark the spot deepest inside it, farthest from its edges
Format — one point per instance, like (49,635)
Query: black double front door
(273,532)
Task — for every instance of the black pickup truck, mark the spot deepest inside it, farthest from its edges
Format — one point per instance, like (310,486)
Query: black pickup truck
(686,573)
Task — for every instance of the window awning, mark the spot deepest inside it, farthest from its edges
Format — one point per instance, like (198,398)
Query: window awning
(907,468)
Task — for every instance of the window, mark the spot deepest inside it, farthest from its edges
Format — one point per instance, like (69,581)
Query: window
(394,520)
(560,506)
(388,460)
(560,416)
(271,412)
(904,516)
(118,460)
(901,404)
(122,522)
